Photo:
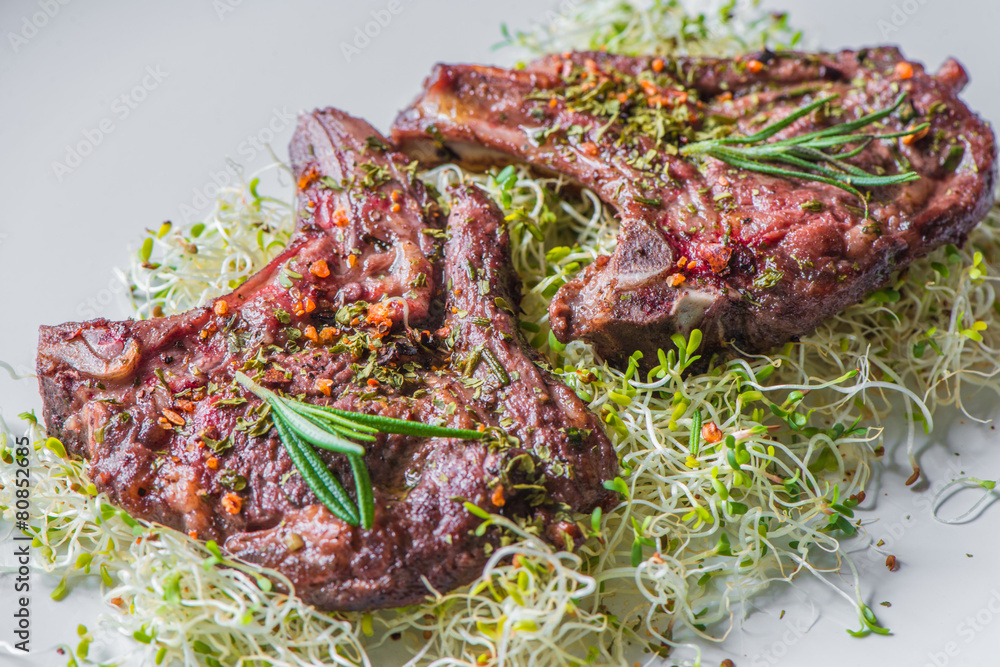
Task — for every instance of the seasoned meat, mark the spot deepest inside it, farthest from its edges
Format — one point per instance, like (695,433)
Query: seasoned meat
(351,315)
(753,260)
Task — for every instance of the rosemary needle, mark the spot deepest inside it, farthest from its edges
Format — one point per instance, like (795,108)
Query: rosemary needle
(325,486)
(806,151)
(301,424)
(366,495)
(342,425)
(306,428)
(401,426)
(312,431)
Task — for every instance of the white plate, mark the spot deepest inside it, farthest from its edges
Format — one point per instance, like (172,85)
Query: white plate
(164,92)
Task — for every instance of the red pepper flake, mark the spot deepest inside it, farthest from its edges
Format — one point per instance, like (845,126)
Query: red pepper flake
(352,259)
(310,333)
(677,279)
(891,563)
(395,208)
(323,386)
(221,308)
(232,503)
(307,178)
(212,463)
(589,148)
(372,382)
(911,139)
(309,305)
(327,334)
(320,268)
(380,316)
(340,217)
(553,103)
(275,376)
(497,498)
(904,70)
(185,405)
(717,256)
(755,66)
(209,329)
(193,534)
(648,87)
(682,262)
(658,65)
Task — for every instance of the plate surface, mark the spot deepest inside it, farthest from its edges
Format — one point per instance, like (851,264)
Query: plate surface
(119,115)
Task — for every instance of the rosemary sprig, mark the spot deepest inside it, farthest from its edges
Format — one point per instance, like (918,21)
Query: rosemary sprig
(808,151)
(318,477)
(302,426)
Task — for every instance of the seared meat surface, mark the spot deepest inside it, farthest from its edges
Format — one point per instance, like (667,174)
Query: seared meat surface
(353,315)
(752,260)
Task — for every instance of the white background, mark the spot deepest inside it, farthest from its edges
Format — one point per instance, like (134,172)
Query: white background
(226,76)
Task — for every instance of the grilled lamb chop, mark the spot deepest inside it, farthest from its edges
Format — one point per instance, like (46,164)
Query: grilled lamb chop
(753,260)
(172,439)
